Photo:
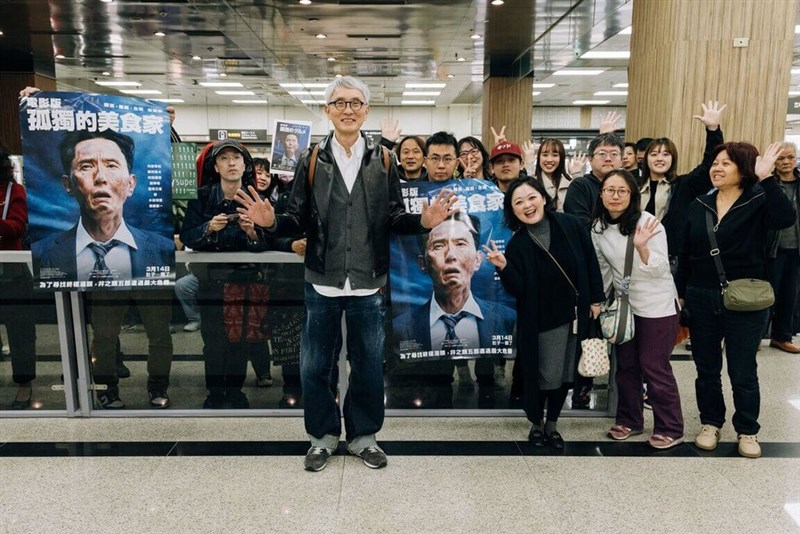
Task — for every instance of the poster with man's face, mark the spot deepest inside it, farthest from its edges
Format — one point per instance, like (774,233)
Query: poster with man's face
(98,173)
(447,300)
(289,140)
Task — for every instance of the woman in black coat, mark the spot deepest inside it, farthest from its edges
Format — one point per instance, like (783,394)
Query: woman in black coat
(550,266)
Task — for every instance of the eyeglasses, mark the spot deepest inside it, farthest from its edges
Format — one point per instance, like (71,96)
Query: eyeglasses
(603,154)
(471,152)
(436,160)
(621,192)
(355,105)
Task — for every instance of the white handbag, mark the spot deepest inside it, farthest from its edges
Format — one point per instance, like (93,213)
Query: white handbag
(594,360)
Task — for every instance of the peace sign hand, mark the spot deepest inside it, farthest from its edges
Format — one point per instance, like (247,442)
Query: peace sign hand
(494,256)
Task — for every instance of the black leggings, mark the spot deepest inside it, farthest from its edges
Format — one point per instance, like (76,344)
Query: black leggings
(555,401)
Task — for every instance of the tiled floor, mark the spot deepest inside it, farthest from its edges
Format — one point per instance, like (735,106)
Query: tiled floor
(245,474)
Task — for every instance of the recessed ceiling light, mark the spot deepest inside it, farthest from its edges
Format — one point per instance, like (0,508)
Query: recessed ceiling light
(338,75)
(236,93)
(1,32)
(796,29)
(305,2)
(221,84)
(796,70)
(461,59)
(140,91)
(611,93)
(536,93)
(256,101)
(578,72)
(321,36)
(497,2)
(621,85)
(794,93)
(629,30)
(475,36)
(543,85)
(168,100)
(425,85)
(307,93)
(592,54)
(421,93)
(196,58)
(106,73)
(159,34)
(117,83)
(60,56)
(314,102)
(223,74)
(418,102)
(590,102)
(303,85)
(106,1)
(451,75)
(331,58)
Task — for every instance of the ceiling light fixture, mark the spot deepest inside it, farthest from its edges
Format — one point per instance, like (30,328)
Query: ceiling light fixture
(314,102)
(305,2)
(331,58)
(140,91)
(249,101)
(543,85)
(794,93)
(578,72)
(60,56)
(303,85)
(307,93)
(425,85)
(592,54)
(796,70)
(106,73)
(106,1)
(1,33)
(461,59)
(621,85)
(196,58)
(321,36)
(536,93)
(223,74)
(626,31)
(797,29)
(220,84)
(117,83)
(338,76)
(236,93)
(497,2)
(421,93)
(451,75)
(159,34)
(168,100)
(590,102)
(418,102)
(475,36)
(611,93)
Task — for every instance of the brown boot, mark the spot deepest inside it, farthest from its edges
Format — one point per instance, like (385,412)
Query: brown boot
(785,346)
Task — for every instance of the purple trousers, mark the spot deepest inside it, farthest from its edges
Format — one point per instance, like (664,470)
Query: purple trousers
(647,356)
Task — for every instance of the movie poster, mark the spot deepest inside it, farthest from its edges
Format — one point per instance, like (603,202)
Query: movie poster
(99,180)
(447,300)
(289,140)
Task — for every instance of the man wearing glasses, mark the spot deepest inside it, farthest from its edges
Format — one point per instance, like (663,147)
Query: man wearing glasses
(347,210)
(605,152)
(440,156)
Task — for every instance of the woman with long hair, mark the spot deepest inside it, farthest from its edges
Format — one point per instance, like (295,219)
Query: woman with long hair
(473,159)
(653,300)
(551,170)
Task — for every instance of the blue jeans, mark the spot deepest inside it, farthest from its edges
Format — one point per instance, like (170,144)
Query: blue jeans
(784,269)
(321,338)
(711,322)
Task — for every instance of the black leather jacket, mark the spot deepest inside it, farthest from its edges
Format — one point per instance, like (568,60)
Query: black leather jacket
(307,212)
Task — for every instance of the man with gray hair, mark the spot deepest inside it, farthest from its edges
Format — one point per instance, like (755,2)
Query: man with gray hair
(346,198)
(784,255)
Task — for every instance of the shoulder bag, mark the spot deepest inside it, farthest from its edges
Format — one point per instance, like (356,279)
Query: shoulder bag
(616,318)
(744,294)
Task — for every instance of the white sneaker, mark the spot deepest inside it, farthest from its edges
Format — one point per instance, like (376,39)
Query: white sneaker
(748,446)
(192,326)
(708,438)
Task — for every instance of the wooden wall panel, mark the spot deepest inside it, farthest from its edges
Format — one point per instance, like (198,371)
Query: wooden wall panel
(682,54)
(509,102)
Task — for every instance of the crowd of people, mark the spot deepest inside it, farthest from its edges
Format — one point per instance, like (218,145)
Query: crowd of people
(573,236)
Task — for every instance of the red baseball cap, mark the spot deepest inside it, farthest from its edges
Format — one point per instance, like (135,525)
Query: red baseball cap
(505,147)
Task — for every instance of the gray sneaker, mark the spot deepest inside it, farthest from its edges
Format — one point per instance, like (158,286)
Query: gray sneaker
(316,459)
(110,400)
(373,456)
